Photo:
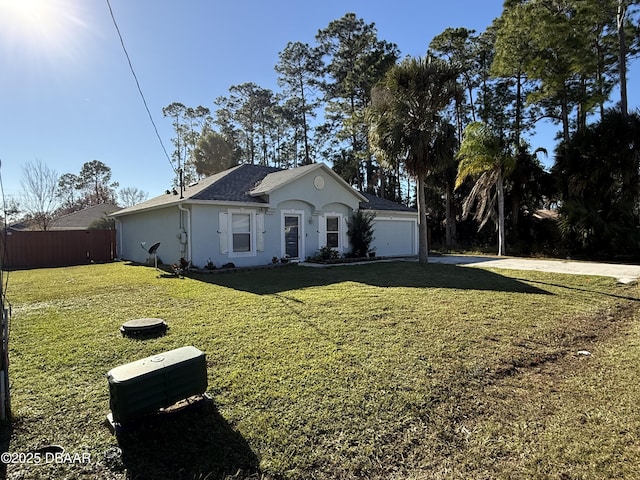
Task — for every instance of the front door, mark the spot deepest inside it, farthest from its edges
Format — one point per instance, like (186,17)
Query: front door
(292,236)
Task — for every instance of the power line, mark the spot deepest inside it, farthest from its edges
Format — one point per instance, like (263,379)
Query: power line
(135,77)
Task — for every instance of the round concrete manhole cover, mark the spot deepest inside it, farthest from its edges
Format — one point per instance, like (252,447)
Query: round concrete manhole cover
(144,327)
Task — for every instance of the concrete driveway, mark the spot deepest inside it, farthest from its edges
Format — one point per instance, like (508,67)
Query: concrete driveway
(623,273)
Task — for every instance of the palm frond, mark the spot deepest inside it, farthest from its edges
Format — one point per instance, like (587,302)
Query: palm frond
(483,197)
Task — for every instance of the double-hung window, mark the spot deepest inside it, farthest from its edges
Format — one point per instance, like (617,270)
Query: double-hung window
(241,232)
(333,232)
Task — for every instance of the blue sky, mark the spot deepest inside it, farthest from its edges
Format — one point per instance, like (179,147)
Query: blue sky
(67,96)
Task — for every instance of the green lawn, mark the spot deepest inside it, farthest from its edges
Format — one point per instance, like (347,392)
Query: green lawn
(379,371)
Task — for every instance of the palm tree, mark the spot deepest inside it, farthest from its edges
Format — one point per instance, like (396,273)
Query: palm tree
(404,118)
(444,148)
(485,157)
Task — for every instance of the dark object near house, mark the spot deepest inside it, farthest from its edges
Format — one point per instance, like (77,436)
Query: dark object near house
(181,268)
(145,386)
(144,327)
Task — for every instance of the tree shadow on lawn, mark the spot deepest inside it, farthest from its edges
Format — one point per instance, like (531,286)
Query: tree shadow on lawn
(387,274)
(194,443)
(578,289)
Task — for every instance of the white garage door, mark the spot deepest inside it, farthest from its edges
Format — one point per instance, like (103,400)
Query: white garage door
(395,236)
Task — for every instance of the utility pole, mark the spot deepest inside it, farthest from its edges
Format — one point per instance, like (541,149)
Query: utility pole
(5,403)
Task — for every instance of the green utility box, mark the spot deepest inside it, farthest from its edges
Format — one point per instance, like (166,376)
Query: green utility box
(143,387)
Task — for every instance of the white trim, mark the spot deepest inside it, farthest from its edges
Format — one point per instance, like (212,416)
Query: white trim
(185,202)
(301,232)
(401,219)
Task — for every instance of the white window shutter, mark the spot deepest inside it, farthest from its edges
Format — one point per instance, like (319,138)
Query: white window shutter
(345,236)
(322,231)
(260,232)
(223,232)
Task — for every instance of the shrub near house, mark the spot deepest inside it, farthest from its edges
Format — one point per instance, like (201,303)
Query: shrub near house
(361,233)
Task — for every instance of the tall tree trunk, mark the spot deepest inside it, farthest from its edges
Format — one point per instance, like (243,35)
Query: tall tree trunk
(600,81)
(516,201)
(459,126)
(447,207)
(622,56)
(423,247)
(581,121)
(501,231)
(355,148)
(399,184)
(369,177)
(305,127)
(450,230)
(519,107)
(470,90)
(566,136)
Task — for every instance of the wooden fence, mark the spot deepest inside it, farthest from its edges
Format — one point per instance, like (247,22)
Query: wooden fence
(31,249)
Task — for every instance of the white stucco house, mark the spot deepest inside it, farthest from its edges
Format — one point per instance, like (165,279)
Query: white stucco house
(250,214)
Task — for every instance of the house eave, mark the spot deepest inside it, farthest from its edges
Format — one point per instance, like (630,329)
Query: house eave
(391,213)
(185,201)
(229,203)
(124,213)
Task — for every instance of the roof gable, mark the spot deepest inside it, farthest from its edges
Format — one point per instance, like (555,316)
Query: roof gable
(82,219)
(280,178)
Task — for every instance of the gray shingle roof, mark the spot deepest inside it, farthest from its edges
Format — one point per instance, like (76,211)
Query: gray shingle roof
(231,185)
(236,184)
(82,219)
(246,183)
(377,203)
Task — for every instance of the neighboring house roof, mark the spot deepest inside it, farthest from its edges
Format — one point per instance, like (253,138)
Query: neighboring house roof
(377,203)
(248,184)
(23,225)
(82,219)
